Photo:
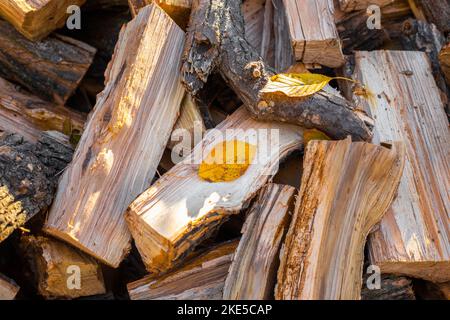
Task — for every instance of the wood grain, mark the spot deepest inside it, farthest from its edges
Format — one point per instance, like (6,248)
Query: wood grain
(8,288)
(178,10)
(352,5)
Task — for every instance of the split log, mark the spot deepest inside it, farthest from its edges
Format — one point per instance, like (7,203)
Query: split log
(36,19)
(413,238)
(352,5)
(253,270)
(51,69)
(201,279)
(391,288)
(444,60)
(178,10)
(436,12)
(217,27)
(53,263)
(313,32)
(346,188)
(8,288)
(28,177)
(124,139)
(27,115)
(180,210)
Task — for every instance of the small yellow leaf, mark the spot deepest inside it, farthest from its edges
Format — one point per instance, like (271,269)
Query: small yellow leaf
(313,134)
(227,161)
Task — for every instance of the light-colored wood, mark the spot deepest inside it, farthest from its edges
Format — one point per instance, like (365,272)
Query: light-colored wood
(352,5)
(413,237)
(201,279)
(346,188)
(27,115)
(8,288)
(253,271)
(55,265)
(444,60)
(35,19)
(180,210)
(178,10)
(313,32)
(124,139)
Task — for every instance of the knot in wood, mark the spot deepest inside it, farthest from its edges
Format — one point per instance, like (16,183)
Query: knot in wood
(256,69)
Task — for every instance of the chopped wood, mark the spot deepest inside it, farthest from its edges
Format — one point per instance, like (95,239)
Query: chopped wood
(391,288)
(50,69)
(444,60)
(201,279)
(38,18)
(352,5)
(53,263)
(313,32)
(436,12)
(346,188)
(124,139)
(29,174)
(217,27)
(27,115)
(178,10)
(253,270)
(413,237)
(8,288)
(180,210)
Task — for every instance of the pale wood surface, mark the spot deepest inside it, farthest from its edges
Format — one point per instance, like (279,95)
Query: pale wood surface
(124,139)
(313,32)
(180,210)
(8,288)
(253,271)
(35,19)
(413,237)
(50,262)
(352,5)
(346,188)
(178,10)
(201,279)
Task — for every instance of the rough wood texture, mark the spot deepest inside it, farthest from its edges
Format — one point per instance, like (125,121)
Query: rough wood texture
(51,68)
(29,174)
(50,262)
(313,32)
(217,27)
(8,288)
(180,210)
(35,19)
(391,288)
(346,188)
(352,5)
(178,10)
(413,237)
(26,114)
(253,271)
(444,60)
(201,279)
(124,139)
(436,12)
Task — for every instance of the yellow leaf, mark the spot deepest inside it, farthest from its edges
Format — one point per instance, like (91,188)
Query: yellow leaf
(313,134)
(227,161)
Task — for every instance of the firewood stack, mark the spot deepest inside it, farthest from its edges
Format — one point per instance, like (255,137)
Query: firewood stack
(199,149)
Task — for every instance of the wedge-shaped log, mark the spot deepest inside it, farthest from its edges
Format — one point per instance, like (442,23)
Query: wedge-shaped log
(201,279)
(313,32)
(124,139)
(35,19)
(51,68)
(178,10)
(414,236)
(180,210)
(8,288)
(54,266)
(253,271)
(346,188)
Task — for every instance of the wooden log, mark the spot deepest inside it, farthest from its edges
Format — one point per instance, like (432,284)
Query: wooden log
(54,266)
(436,12)
(444,60)
(253,270)
(426,290)
(201,279)
(391,288)
(8,288)
(27,115)
(217,27)
(178,10)
(124,139)
(180,210)
(352,5)
(413,237)
(51,69)
(36,19)
(313,32)
(29,174)
(346,188)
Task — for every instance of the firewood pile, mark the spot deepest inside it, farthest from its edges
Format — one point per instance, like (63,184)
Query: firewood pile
(221,149)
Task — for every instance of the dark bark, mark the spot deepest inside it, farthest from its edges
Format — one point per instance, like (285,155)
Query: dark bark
(437,12)
(392,288)
(215,41)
